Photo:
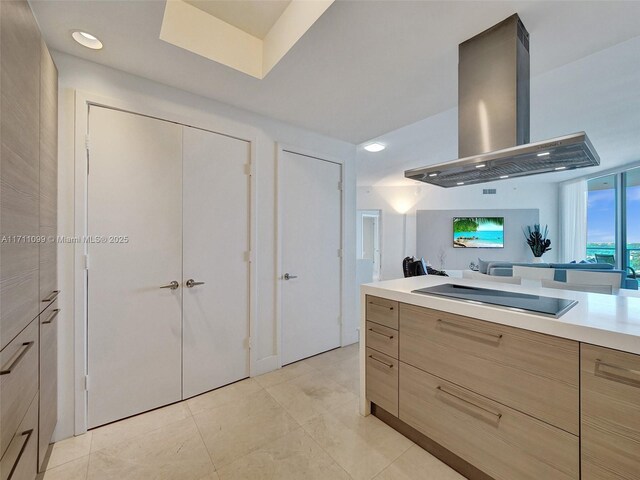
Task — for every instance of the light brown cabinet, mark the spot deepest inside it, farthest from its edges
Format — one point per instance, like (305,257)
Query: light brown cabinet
(610,414)
(28,191)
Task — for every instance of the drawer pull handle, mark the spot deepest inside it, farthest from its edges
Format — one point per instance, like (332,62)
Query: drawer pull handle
(390,365)
(25,348)
(380,333)
(468,402)
(27,435)
(53,315)
(52,296)
(496,337)
(634,382)
(381,306)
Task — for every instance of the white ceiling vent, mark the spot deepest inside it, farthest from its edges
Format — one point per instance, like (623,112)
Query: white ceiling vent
(488,191)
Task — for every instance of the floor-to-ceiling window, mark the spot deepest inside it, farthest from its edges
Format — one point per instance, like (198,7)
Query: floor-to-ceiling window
(632,218)
(613,219)
(601,217)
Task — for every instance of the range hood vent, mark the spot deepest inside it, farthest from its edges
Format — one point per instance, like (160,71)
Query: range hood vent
(493,117)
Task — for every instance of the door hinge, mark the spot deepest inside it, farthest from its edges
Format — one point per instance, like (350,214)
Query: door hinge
(85,259)
(249,344)
(340,186)
(247,256)
(339,253)
(86,141)
(86,383)
(247,169)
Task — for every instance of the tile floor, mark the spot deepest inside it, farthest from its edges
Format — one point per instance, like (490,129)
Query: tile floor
(299,422)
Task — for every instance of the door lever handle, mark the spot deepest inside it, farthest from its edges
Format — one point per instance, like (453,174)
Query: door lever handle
(173,285)
(192,283)
(289,277)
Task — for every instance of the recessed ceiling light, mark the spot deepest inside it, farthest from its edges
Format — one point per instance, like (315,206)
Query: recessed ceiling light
(504,176)
(460,183)
(482,165)
(86,40)
(543,154)
(433,174)
(374,147)
(560,168)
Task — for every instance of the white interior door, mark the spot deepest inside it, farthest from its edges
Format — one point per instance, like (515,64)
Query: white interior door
(134,326)
(216,239)
(310,223)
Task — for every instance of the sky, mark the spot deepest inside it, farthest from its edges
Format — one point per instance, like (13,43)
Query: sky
(601,216)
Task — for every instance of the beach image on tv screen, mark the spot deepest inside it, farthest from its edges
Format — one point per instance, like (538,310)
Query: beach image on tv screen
(478,232)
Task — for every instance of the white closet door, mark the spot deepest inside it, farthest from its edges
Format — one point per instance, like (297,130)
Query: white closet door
(216,239)
(310,222)
(134,326)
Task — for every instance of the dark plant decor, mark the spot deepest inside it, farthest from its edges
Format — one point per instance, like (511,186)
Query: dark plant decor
(537,239)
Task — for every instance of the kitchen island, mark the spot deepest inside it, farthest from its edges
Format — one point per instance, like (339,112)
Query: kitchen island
(502,393)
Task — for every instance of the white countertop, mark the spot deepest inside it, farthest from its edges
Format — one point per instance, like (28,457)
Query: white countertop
(611,321)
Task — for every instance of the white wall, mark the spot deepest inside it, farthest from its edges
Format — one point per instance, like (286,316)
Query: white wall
(395,202)
(77,74)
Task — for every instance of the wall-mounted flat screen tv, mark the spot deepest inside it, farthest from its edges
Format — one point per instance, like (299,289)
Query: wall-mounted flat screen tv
(478,232)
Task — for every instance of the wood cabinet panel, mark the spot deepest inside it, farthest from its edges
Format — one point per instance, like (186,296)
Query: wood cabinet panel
(18,381)
(382,311)
(20,460)
(19,167)
(530,372)
(610,397)
(382,381)
(48,378)
(500,441)
(382,339)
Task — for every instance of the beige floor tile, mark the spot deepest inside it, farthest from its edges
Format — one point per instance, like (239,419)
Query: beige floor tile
(114,433)
(418,464)
(173,452)
(333,356)
(293,457)
(346,373)
(73,470)
(363,446)
(236,429)
(231,393)
(284,374)
(70,449)
(309,395)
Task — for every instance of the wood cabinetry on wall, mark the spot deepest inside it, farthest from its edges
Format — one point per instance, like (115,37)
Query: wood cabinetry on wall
(28,191)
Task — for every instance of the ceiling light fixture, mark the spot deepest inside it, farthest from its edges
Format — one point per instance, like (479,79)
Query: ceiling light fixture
(460,183)
(374,147)
(433,174)
(86,40)
(560,168)
(482,165)
(504,176)
(543,154)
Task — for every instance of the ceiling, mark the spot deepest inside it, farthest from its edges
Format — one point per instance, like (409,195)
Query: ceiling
(256,17)
(363,69)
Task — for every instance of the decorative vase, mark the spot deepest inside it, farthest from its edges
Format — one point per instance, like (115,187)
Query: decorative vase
(537,259)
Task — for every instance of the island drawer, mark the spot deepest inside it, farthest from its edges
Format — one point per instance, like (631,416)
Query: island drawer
(534,373)
(20,461)
(18,381)
(382,381)
(500,441)
(383,339)
(382,311)
(610,413)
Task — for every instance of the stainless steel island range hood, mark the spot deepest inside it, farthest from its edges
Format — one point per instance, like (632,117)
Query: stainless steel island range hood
(493,117)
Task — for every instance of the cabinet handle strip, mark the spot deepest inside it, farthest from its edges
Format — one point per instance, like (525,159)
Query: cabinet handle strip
(615,377)
(486,410)
(25,348)
(52,296)
(497,337)
(27,435)
(381,306)
(380,333)
(53,315)
(390,365)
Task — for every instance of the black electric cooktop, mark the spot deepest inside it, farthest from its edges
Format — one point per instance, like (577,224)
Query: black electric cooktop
(548,306)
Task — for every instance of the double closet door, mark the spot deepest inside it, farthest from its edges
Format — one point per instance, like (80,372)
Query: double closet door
(168,277)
